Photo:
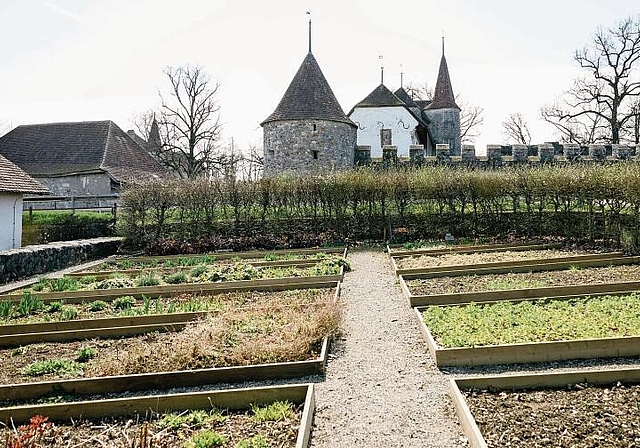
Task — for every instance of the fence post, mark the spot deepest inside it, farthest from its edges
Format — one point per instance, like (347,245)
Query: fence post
(30,214)
(114,212)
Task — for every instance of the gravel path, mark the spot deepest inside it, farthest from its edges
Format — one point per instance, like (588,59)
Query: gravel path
(382,389)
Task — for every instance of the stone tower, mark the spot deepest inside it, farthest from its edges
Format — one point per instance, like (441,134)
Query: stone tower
(308,132)
(443,112)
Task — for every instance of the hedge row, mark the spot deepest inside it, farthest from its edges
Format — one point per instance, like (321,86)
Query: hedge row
(580,202)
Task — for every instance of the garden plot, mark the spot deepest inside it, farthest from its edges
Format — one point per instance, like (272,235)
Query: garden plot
(268,417)
(440,248)
(576,409)
(132,266)
(280,334)
(522,285)
(532,331)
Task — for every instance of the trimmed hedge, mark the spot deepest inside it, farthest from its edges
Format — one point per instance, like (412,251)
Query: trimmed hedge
(578,202)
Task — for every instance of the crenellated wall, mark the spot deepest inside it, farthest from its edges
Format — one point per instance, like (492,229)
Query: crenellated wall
(499,155)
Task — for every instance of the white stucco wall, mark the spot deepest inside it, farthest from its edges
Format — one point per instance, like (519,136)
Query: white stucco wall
(371,119)
(10,221)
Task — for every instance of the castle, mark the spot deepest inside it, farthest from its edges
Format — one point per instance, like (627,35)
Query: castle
(309,132)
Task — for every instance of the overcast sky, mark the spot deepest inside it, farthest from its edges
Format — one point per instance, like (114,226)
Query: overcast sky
(77,60)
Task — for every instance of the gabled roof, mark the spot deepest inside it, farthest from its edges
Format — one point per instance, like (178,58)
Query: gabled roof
(14,180)
(443,97)
(380,97)
(309,96)
(405,98)
(54,149)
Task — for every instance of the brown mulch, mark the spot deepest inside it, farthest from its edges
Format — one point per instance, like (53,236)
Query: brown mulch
(577,417)
(141,432)
(494,282)
(424,261)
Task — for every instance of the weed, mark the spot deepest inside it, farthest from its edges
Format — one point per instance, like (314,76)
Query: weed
(5,308)
(63,284)
(276,411)
(125,264)
(206,439)
(54,307)
(270,257)
(253,442)
(69,312)
(88,279)
(198,270)
(194,419)
(86,353)
(176,278)
(97,305)
(29,303)
(51,366)
(115,282)
(147,280)
(124,303)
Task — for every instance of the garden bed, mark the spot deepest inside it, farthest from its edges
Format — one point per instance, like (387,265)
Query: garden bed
(442,249)
(576,409)
(482,258)
(245,330)
(278,416)
(532,331)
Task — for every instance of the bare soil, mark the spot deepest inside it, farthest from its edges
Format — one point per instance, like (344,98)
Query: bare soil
(495,282)
(578,417)
(145,432)
(425,261)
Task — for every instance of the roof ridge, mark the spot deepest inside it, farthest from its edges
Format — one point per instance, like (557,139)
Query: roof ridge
(106,144)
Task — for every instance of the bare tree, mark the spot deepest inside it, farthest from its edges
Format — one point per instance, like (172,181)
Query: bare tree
(632,130)
(605,95)
(190,124)
(516,129)
(471,118)
(585,129)
(142,122)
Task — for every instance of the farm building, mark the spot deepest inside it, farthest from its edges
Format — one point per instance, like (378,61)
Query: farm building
(13,184)
(89,158)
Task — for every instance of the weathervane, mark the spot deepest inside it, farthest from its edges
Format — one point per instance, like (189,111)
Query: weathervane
(401,76)
(309,14)
(381,57)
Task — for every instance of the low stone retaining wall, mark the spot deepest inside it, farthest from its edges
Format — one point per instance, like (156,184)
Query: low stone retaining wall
(28,261)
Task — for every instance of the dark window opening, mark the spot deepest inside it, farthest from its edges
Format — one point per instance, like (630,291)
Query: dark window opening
(385,137)
(315,128)
(314,153)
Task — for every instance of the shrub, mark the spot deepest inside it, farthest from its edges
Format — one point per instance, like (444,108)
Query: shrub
(86,353)
(97,305)
(124,302)
(147,280)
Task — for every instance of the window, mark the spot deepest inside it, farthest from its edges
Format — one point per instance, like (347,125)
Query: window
(314,153)
(385,137)
(315,127)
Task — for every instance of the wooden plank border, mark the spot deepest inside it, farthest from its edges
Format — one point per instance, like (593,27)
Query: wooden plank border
(514,295)
(243,255)
(167,380)
(531,381)
(232,399)
(273,284)
(528,352)
(474,249)
(499,267)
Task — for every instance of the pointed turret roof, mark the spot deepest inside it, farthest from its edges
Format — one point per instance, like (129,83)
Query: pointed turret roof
(380,97)
(443,97)
(404,96)
(309,96)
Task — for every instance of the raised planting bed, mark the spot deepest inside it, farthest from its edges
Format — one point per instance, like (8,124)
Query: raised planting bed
(521,286)
(277,416)
(252,336)
(595,408)
(535,265)
(132,266)
(467,249)
(532,331)
(483,258)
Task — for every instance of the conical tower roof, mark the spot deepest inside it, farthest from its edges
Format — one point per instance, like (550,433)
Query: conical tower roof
(380,97)
(309,96)
(443,97)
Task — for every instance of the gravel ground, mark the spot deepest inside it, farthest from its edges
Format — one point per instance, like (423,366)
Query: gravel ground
(382,389)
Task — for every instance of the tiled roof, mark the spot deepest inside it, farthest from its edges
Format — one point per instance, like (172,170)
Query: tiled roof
(309,96)
(380,97)
(14,180)
(404,96)
(55,149)
(443,97)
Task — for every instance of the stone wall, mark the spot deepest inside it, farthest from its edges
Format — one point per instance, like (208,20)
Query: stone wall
(17,264)
(444,128)
(308,146)
(500,155)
